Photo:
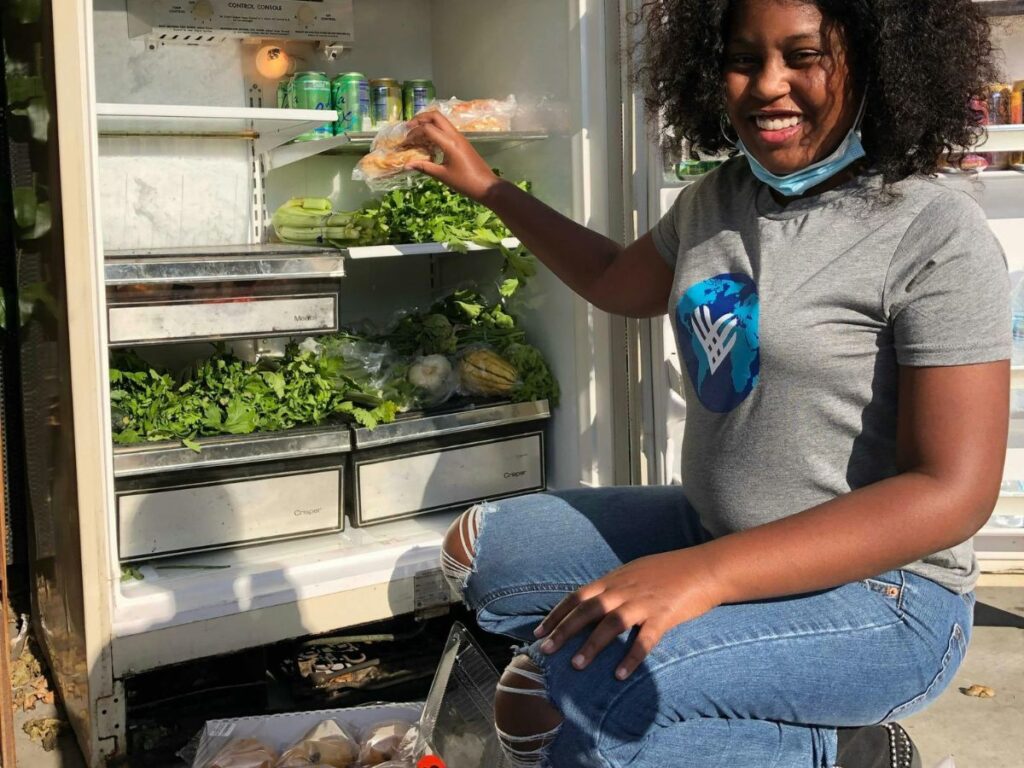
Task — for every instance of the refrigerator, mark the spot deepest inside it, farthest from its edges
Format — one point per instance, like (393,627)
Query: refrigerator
(171,154)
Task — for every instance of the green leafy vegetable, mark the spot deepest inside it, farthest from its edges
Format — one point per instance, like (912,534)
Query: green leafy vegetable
(431,212)
(225,395)
(535,379)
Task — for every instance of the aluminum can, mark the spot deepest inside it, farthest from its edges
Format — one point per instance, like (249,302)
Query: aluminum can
(998,113)
(284,92)
(351,95)
(416,94)
(312,90)
(386,101)
(1017,118)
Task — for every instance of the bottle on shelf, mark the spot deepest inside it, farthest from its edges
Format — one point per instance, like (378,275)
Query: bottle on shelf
(1016,394)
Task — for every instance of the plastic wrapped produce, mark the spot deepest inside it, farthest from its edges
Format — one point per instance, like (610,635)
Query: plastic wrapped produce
(478,115)
(434,378)
(244,753)
(382,742)
(327,744)
(384,168)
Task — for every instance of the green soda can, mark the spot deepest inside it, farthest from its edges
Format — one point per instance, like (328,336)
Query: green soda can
(312,90)
(416,94)
(284,93)
(386,101)
(351,93)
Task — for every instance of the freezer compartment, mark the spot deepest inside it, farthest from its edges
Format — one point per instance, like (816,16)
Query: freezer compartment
(146,314)
(173,514)
(430,475)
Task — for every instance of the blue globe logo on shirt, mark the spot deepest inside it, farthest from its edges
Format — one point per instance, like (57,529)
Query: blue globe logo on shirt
(717,326)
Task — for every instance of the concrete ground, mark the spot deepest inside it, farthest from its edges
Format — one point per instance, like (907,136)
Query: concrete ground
(977,733)
(982,733)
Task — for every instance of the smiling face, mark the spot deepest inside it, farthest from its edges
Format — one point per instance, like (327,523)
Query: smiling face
(788,83)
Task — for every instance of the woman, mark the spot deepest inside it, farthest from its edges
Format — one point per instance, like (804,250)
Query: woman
(845,327)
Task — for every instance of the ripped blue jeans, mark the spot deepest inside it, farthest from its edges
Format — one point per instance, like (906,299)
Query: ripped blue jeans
(760,684)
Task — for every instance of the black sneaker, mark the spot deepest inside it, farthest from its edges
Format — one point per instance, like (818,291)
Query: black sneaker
(877,746)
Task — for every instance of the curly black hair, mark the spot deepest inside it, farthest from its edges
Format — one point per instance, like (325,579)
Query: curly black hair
(923,62)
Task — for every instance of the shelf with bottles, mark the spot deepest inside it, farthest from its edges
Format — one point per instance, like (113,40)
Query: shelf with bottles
(983,176)
(1001,7)
(1002,138)
(266,128)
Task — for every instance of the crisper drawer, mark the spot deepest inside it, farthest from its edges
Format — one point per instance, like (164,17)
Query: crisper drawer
(429,476)
(154,315)
(181,321)
(188,512)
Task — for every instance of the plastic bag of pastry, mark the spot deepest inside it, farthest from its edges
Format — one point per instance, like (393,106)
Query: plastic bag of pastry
(382,742)
(384,168)
(327,744)
(244,753)
(479,115)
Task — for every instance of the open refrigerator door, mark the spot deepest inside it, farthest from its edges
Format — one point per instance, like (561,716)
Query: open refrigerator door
(999,188)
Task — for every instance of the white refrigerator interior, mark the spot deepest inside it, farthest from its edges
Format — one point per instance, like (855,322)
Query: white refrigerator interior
(173,191)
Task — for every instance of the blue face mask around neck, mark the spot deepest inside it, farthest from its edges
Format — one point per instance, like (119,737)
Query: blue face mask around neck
(799,182)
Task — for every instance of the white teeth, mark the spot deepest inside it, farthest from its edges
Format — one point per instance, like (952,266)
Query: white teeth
(778,123)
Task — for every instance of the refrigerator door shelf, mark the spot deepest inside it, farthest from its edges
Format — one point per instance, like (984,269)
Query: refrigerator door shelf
(273,261)
(1002,138)
(154,458)
(1001,7)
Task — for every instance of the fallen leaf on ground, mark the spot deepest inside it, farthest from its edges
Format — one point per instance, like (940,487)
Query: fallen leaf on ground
(29,680)
(979,691)
(45,731)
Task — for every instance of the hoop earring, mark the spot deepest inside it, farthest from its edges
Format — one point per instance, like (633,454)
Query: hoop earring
(723,121)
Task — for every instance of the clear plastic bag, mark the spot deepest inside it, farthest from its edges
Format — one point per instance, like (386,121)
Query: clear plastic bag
(384,168)
(244,753)
(478,115)
(382,742)
(434,378)
(327,744)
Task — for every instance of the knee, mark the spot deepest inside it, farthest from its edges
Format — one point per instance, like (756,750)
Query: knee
(526,721)
(458,549)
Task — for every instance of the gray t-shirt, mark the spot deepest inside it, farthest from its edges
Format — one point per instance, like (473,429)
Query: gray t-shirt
(792,322)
